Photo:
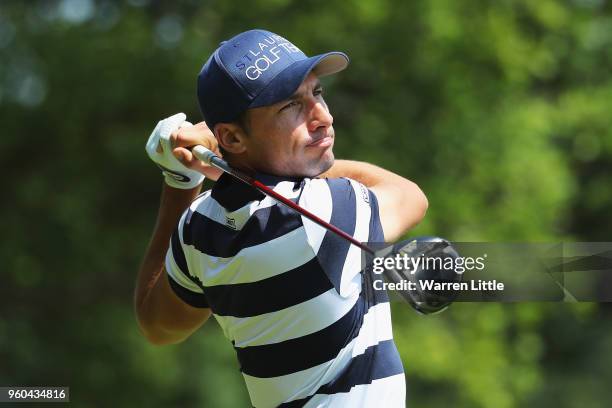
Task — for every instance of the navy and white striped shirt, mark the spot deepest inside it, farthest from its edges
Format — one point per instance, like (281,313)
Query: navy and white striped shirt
(290,295)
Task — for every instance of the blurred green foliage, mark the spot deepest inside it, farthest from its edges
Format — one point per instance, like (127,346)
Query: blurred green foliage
(499,110)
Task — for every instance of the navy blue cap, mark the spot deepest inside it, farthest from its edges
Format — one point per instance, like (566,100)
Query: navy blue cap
(256,68)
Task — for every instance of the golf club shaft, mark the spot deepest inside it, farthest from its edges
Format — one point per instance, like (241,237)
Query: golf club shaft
(209,157)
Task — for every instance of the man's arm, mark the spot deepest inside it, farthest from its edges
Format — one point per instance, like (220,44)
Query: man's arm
(402,204)
(162,316)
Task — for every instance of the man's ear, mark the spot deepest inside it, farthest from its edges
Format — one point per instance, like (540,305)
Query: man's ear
(230,137)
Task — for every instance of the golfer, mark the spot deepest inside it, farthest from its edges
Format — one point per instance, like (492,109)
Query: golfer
(288,294)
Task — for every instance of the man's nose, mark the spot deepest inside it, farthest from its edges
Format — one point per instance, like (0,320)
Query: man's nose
(319,116)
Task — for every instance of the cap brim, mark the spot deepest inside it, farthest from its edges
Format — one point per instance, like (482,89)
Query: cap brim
(289,80)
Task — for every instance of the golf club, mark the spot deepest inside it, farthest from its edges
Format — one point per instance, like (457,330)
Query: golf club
(212,159)
(425,302)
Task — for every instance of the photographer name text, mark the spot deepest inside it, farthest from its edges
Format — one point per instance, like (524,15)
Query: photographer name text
(431,285)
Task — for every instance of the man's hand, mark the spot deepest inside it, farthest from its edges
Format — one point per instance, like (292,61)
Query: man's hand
(185,137)
(167,147)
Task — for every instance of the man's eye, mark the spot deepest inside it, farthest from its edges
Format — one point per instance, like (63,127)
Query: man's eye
(318,91)
(289,105)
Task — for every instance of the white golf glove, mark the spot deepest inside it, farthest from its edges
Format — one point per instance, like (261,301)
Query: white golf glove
(159,150)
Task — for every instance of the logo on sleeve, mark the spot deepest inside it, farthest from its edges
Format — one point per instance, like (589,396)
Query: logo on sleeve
(364,193)
(230,222)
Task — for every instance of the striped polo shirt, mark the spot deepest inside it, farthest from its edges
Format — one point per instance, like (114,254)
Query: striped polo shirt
(307,327)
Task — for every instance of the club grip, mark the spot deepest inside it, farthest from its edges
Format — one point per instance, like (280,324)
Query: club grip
(203,154)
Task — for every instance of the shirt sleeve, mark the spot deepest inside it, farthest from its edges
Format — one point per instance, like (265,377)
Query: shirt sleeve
(351,207)
(186,286)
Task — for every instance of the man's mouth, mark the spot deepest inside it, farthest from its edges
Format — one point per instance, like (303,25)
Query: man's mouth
(322,142)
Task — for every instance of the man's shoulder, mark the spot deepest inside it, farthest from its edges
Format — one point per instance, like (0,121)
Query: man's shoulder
(337,189)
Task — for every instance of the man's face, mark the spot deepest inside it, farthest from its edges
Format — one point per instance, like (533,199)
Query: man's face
(294,137)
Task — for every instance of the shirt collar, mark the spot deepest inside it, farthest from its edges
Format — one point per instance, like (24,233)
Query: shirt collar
(233,194)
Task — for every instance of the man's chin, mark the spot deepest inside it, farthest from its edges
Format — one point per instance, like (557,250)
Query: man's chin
(324,164)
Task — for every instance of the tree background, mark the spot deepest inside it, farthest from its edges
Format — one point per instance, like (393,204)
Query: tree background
(499,110)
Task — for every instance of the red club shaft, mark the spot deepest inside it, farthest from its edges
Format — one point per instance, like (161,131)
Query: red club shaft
(214,160)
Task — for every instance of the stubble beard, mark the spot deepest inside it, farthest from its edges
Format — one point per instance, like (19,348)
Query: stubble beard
(322,164)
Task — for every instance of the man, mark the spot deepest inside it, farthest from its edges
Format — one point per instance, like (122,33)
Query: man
(288,294)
